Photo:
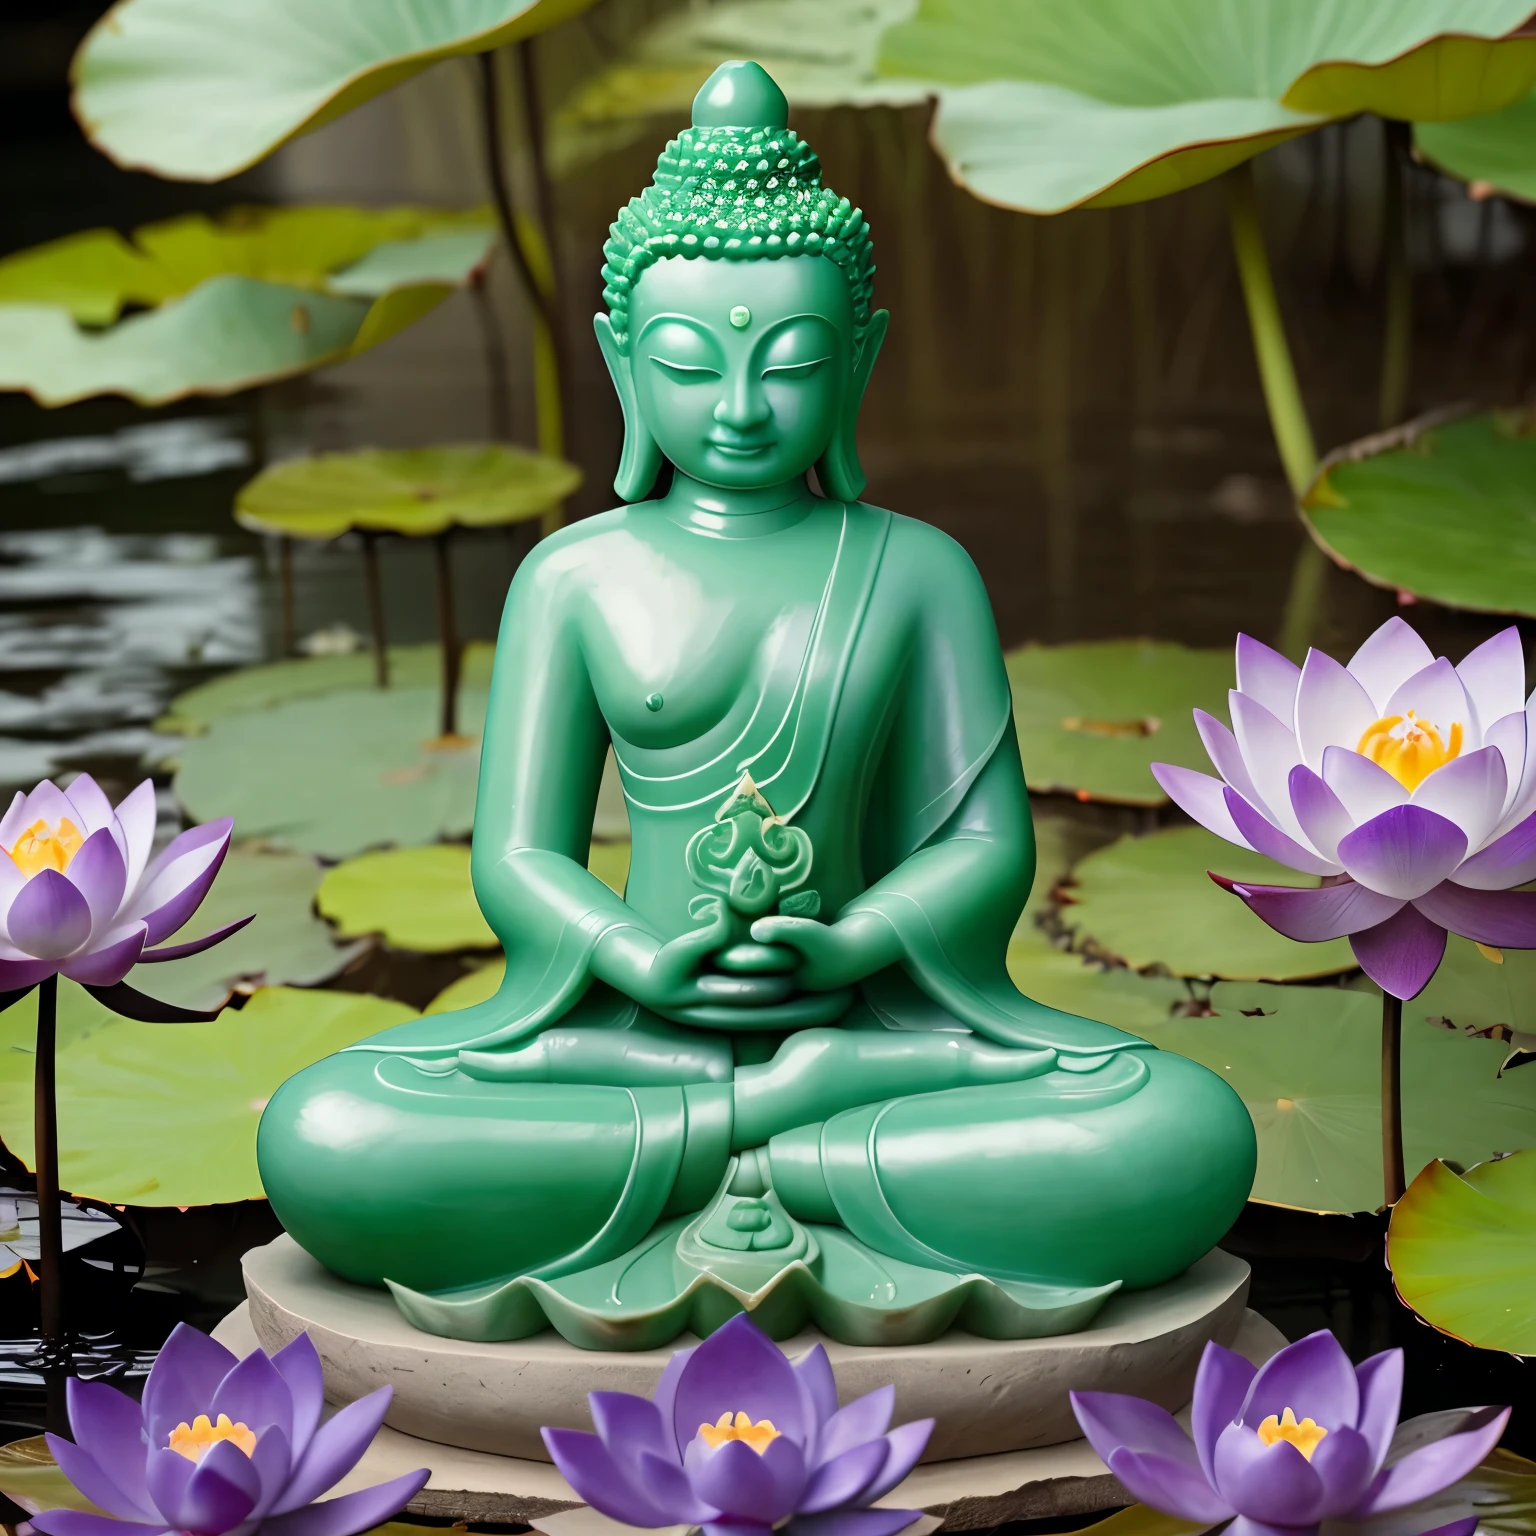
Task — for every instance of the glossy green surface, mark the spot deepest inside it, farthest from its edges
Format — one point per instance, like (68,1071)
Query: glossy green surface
(787,1069)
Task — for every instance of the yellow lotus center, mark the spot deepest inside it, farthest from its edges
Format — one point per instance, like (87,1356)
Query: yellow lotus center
(1408,747)
(759,1436)
(1305,1436)
(196,1439)
(43,846)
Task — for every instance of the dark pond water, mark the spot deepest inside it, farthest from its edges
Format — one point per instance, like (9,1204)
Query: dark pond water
(1074,400)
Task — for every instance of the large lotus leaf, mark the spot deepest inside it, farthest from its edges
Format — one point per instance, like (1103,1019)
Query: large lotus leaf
(1148,901)
(1445,511)
(1462,1248)
(1058,103)
(281,682)
(285,945)
(478,986)
(1092,718)
(1109,993)
(30,1477)
(338,774)
(1307,1063)
(201,91)
(255,295)
(1481,989)
(821,53)
(417,491)
(1496,152)
(165,1114)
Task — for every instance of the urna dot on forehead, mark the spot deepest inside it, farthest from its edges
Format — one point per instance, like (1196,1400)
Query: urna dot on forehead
(738,185)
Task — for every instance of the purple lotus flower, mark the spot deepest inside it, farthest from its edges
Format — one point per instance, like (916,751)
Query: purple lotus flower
(220,1446)
(741,1442)
(1283,1448)
(1408,784)
(81,897)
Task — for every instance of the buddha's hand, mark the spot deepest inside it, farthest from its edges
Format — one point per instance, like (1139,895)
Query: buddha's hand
(668,976)
(833,955)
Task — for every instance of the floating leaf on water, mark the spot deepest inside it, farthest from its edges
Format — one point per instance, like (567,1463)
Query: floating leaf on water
(1494,153)
(1462,1250)
(256,295)
(477,987)
(1051,106)
(338,774)
(1092,718)
(160,1114)
(200,92)
(1148,901)
(416,492)
(30,1477)
(1307,1063)
(1110,994)
(415,898)
(1441,509)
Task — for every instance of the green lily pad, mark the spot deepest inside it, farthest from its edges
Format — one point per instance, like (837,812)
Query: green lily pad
(1146,901)
(1473,992)
(165,1114)
(1462,1249)
(286,945)
(1442,509)
(257,295)
(479,986)
(340,773)
(281,682)
(1109,993)
(1092,718)
(30,1477)
(1307,1063)
(1046,107)
(417,492)
(1495,152)
(199,93)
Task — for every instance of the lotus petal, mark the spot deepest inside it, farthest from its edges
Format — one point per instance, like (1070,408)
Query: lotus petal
(1505,919)
(114,954)
(1509,737)
(14,822)
(100,1487)
(1169,1486)
(1311,914)
(1312,1377)
(1507,861)
(182,1381)
(352,1512)
(865,1418)
(738,1367)
(1401,954)
(1346,1465)
(255,1393)
(1436,695)
(49,918)
(1269,753)
(1332,709)
(273,1461)
(631,1427)
(218,1495)
(1435,1466)
(196,946)
(1111,1420)
(99,873)
(1265,838)
(666,1485)
(112,1424)
(1275,1482)
(665,1396)
(1364,788)
(1319,811)
(298,1363)
(77,1522)
(1469,790)
(1267,677)
(1493,676)
(1388,659)
(18,976)
(841,1480)
(47,803)
(589,1467)
(905,1444)
(11,881)
(333,1449)
(175,884)
(820,1386)
(747,1484)
(93,809)
(136,818)
(1226,756)
(1201,798)
(1381,1392)
(1221,1385)
(1404,852)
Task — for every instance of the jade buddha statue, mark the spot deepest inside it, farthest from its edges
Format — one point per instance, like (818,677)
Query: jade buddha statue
(787,1069)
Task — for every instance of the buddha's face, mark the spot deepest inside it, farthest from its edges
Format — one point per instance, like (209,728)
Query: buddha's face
(741,367)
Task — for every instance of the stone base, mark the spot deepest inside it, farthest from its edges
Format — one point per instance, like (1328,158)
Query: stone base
(989,1396)
(973,1493)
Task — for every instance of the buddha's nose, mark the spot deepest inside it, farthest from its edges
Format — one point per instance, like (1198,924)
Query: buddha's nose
(744,404)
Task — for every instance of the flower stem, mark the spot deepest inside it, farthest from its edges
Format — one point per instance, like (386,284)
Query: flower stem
(448,635)
(375,590)
(1282,396)
(50,1227)
(1397,337)
(1393,1179)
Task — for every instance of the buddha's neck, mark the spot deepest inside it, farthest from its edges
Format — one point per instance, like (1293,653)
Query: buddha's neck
(736,514)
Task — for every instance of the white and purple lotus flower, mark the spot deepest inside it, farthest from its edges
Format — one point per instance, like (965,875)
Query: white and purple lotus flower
(81,897)
(1408,784)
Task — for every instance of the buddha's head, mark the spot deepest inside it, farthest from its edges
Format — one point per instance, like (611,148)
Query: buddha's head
(739,331)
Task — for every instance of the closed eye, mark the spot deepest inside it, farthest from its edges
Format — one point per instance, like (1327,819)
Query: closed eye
(797,370)
(686,373)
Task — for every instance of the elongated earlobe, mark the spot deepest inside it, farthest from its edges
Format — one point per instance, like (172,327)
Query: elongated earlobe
(640,461)
(838,468)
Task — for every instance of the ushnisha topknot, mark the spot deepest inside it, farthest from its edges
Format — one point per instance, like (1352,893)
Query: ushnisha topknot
(739,184)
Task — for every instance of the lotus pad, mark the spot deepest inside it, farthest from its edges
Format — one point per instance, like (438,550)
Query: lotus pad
(165,1114)
(286,944)
(199,92)
(416,491)
(1446,512)
(1058,103)
(257,295)
(1498,150)
(1093,718)
(1148,901)
(1307,1063)
(281,682)
(340,773)
(1462,1248)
